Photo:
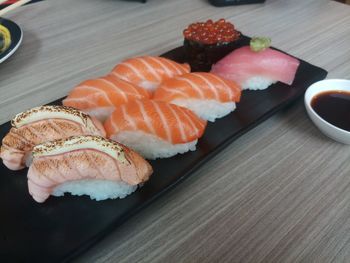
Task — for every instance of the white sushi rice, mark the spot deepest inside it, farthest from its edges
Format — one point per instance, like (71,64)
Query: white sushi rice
(207,109)
(28,159)
(150,146)
(96,189)
(100,113)
(148,85)
(257,83)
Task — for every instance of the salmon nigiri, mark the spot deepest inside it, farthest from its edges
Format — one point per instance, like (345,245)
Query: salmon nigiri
(85,165)
(155,129)
(257,68)
(99,97)
(206,94)
(148,72)
(43,124)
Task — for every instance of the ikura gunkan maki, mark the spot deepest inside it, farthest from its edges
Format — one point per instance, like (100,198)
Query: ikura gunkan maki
(207,42)
(5,38)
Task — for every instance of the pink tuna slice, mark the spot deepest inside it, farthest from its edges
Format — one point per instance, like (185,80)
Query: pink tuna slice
(243,63)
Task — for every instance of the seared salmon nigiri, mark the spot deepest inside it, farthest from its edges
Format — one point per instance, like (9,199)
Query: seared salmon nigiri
(43,124)
(148,72)
(85,165)
(208,95)
(99,97)
(155,129)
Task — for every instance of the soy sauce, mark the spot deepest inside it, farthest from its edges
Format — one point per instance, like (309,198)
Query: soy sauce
(334,107)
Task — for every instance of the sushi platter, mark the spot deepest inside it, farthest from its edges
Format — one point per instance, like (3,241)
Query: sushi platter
(132,149)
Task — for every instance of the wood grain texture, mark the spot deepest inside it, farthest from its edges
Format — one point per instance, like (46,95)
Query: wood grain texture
(280,193)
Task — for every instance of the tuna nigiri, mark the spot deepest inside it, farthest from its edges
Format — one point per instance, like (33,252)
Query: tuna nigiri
(148,72)
(85,165)
(43,124)
(255,68)
(99,97)
(155,129)
(206,94)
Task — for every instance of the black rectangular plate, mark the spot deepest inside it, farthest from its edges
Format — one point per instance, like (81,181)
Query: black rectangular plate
(234,2)
(61,228)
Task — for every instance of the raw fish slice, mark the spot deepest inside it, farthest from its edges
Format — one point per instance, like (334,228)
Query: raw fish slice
(198,85)
(99,97)
(148,72)
(155,129)
(167,121)
(43,124)
(90,165)
(208,95)
(257,70)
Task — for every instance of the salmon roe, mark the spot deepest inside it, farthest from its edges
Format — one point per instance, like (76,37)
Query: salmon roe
(210,32)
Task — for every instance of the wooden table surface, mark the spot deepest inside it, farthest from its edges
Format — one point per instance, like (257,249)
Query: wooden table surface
(280,193)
